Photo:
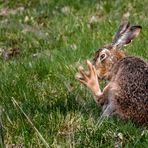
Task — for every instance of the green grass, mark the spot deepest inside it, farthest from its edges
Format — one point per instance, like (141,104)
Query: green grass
(61,36)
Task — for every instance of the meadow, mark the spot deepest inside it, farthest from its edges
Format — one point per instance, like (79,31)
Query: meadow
(41,102)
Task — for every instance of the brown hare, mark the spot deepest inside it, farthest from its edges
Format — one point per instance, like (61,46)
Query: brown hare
(126,93)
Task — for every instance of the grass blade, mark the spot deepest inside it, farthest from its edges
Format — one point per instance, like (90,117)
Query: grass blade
(1,130)
(36,130)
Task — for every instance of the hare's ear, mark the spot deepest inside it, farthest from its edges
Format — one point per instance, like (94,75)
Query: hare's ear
(126,34)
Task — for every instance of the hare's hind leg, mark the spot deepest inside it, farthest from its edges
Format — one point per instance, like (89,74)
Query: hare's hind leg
(108,110)
(110,105)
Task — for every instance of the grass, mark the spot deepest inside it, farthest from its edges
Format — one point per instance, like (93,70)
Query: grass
(51,107)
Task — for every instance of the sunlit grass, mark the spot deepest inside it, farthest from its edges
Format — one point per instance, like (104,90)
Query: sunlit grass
(53,38)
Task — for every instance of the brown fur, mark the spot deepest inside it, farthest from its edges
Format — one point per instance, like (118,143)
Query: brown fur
(131,94)
(128,82)
(126,94)
(103,68)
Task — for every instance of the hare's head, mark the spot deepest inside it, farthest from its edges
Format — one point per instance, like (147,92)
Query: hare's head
(106,57)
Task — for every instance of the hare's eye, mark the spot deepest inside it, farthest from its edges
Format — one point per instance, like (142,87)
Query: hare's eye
(102,57)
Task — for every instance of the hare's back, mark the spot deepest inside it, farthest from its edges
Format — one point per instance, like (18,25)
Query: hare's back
(130,70)
(131,74)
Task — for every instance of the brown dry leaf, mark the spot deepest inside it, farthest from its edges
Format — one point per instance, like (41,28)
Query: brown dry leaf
(9,53)
(7,11)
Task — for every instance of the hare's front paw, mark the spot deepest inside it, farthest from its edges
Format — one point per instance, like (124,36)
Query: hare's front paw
(90,78)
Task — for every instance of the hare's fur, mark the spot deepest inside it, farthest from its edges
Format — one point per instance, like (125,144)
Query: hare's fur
(126,94)
(127,90)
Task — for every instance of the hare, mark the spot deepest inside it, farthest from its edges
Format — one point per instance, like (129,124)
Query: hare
(126,93)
